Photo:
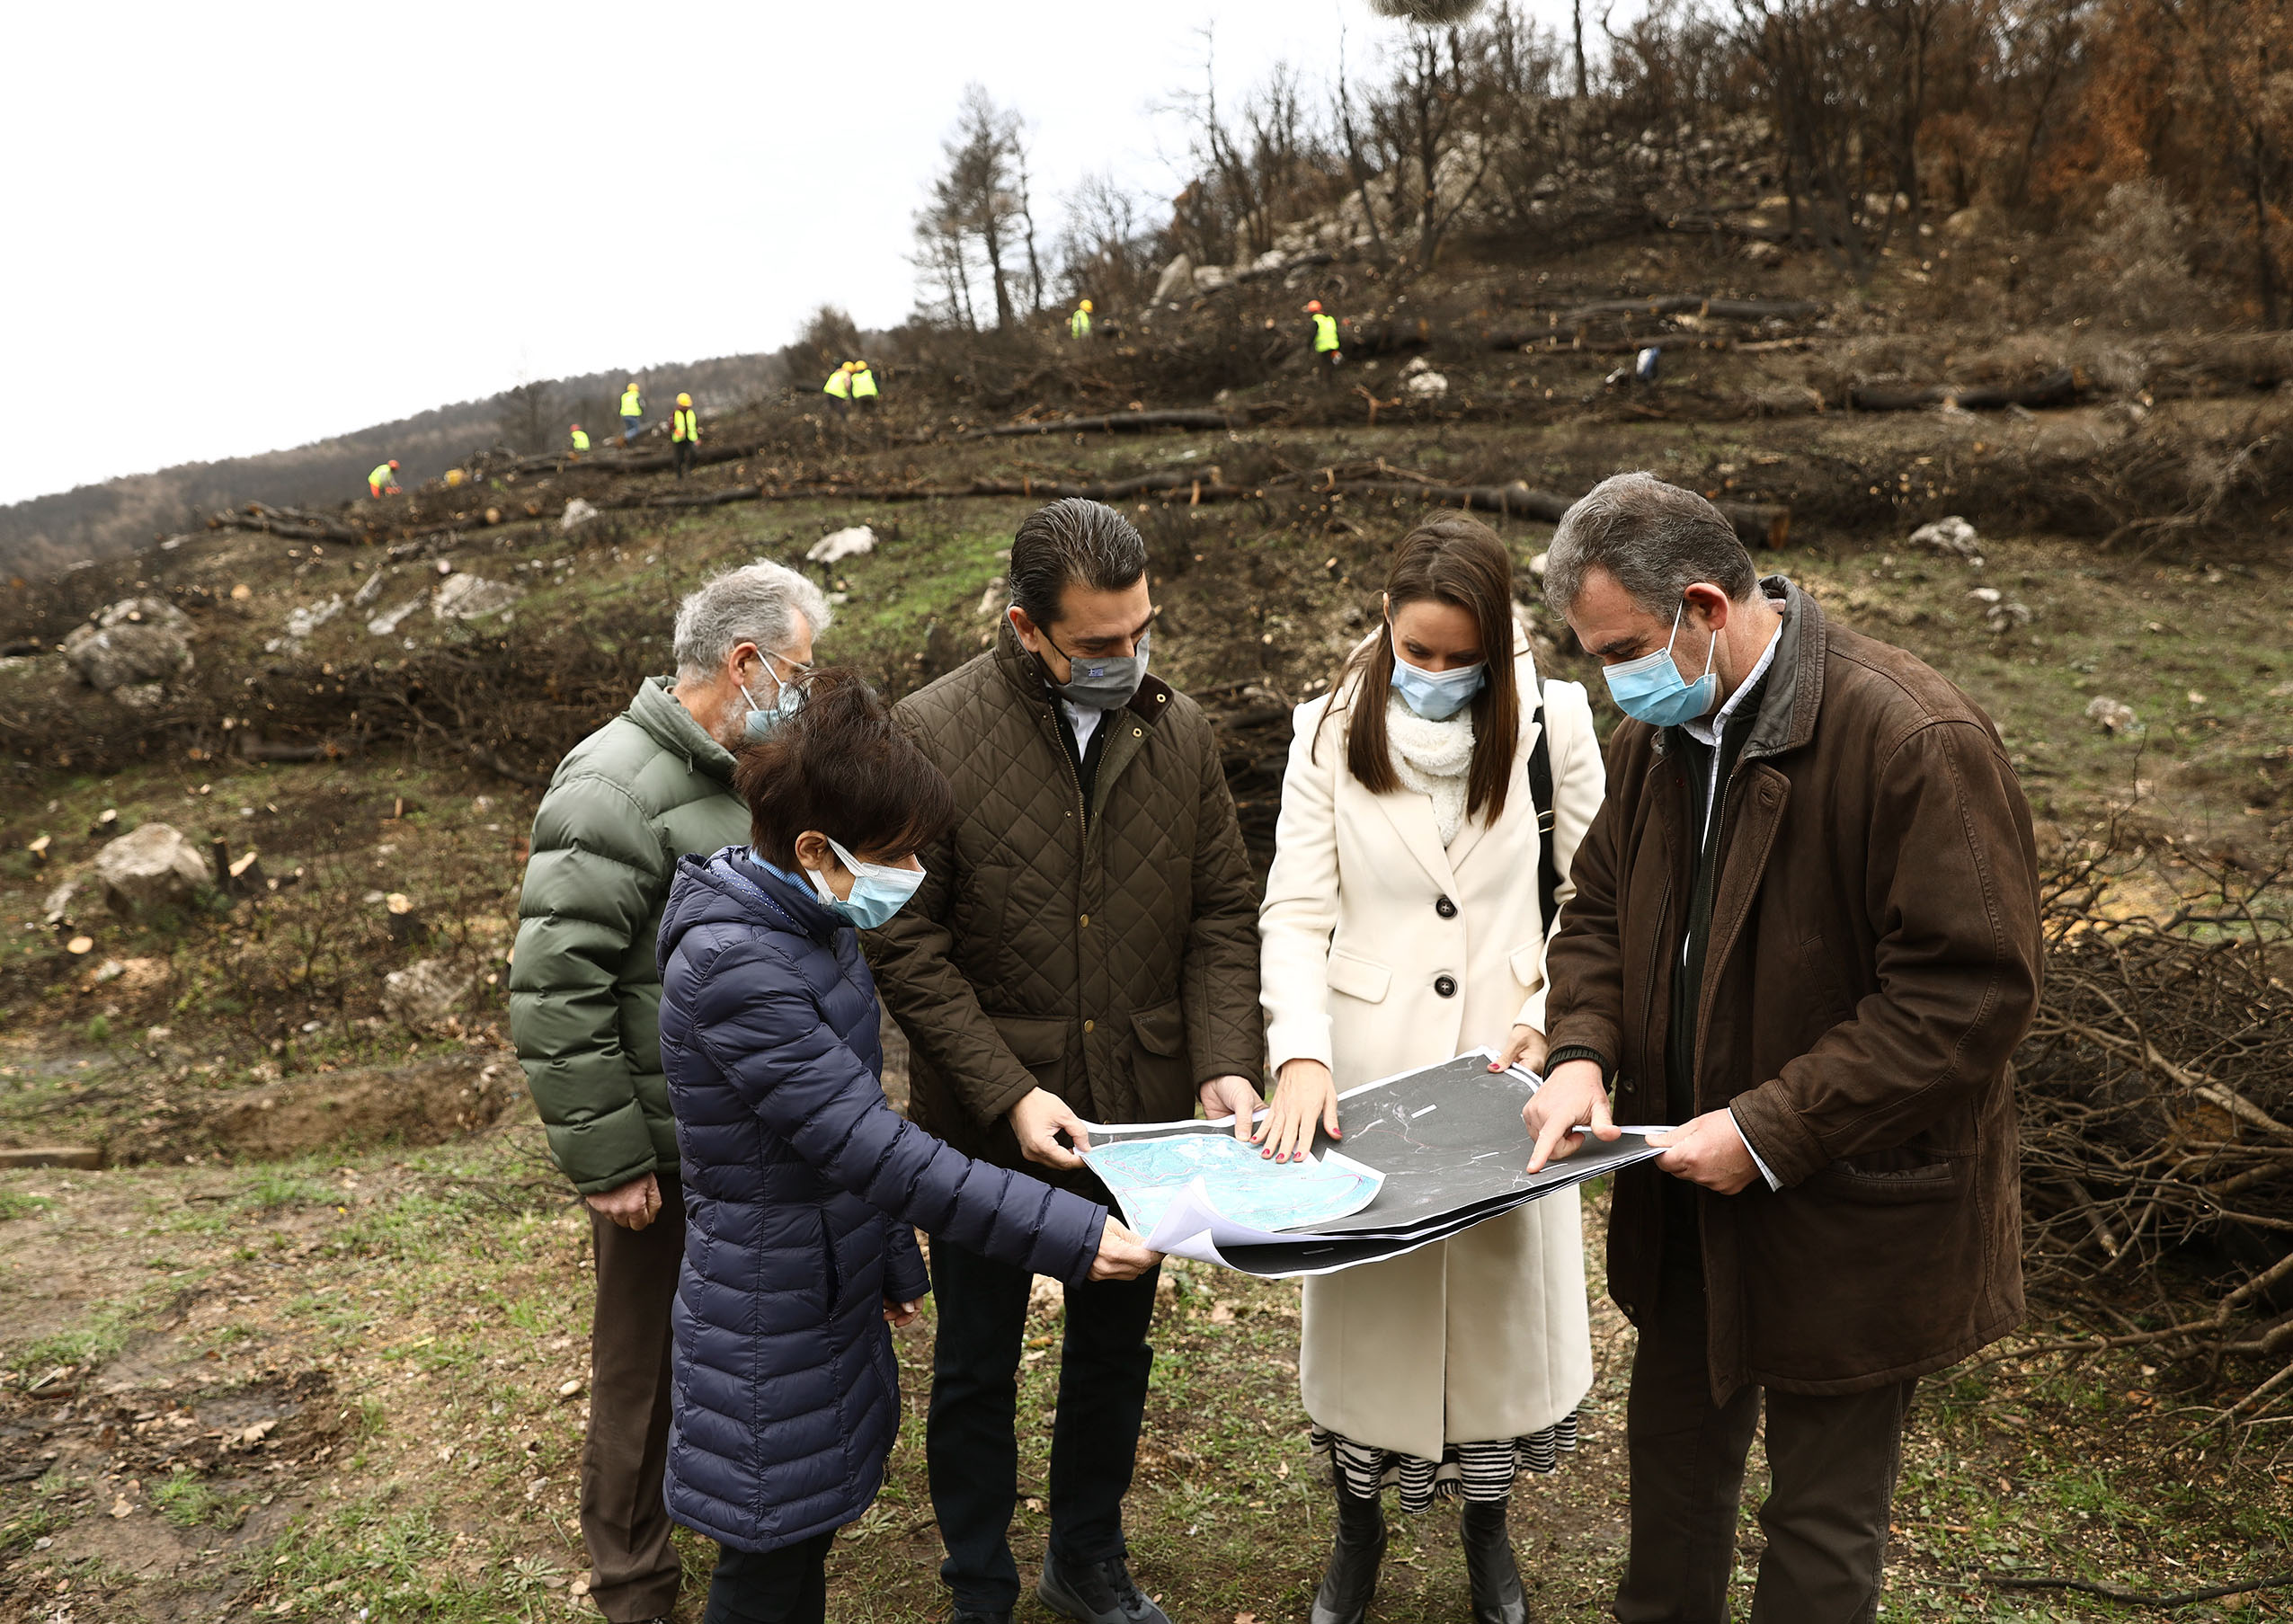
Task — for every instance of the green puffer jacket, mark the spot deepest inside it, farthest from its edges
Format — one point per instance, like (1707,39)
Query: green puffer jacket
(584,989)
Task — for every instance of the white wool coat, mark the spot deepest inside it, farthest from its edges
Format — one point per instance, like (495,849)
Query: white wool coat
(1486,1335)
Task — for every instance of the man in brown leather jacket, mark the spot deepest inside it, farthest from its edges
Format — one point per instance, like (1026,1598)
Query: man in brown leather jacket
(1084,947)
(1806,931)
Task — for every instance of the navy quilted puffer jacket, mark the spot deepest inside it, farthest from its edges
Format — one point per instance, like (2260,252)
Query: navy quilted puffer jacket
(801,1184)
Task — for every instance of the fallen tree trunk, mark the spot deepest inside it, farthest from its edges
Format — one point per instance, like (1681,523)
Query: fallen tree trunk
(1697,304)
(1554,344)
(270,522)
(1759,525)
(1716,223)
(2056,388)
(1115,422)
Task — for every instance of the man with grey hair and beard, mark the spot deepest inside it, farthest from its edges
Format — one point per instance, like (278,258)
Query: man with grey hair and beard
(1084,947)
(649,785)
(1806,931)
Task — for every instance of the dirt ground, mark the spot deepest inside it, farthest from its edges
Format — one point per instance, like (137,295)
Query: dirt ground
(356,1381)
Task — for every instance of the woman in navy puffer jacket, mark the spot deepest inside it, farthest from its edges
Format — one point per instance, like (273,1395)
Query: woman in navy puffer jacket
(801,1184)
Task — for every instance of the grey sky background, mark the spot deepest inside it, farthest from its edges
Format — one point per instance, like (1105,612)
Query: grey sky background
(241,226)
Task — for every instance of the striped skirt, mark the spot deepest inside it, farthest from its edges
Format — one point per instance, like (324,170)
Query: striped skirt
(1479,1472)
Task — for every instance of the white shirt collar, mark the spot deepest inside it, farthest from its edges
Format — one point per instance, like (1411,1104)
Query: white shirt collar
(1706,729)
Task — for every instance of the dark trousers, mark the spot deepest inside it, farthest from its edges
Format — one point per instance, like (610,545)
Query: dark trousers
(970,1443)
(1832,1464)
(680,452)
(625,1521)
(784,1586)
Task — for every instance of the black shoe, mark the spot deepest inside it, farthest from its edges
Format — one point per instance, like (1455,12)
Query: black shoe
(962,1615)
(1350,1584)
(1498,1596)
(1097,1592)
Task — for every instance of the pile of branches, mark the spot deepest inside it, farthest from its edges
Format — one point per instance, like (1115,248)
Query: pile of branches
(2156,1096)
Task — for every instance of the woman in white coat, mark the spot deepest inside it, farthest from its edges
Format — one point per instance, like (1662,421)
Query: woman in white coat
(1402,926)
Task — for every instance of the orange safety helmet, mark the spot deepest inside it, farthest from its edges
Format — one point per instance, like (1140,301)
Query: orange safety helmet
(394,462)
(1313,307)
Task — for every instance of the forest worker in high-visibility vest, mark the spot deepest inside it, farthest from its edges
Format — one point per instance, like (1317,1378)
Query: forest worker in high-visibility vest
(863,385)
(580,439)
(838,389)
(684,434)
(1078,324)
(384,481)
(1324,337)
(632,413)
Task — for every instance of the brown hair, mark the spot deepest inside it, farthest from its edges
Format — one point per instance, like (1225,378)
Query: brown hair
(1457,559)
(844,766)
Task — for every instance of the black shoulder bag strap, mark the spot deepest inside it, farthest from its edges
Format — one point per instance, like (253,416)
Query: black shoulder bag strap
(1540,797)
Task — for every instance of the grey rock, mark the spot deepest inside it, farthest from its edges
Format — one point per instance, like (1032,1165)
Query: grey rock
(424,992)
(386,623)
(151,867)
(136,640)
(2112,716)
(465,597)
(1178,278)
(302,622)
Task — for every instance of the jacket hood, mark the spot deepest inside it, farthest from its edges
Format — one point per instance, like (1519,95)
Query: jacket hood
(730,887)
(659,711)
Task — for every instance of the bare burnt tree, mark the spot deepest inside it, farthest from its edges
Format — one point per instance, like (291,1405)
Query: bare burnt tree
(1106,250)
(1422,116)
(2236,58)
(976,221)
(1817,70)
(525,417)
(1252,170)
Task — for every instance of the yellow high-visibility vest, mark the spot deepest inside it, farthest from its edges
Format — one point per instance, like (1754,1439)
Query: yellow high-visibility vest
(863,384)
(580,439)
(684,425)
(379,477)
(632,405)
(1079,324)
(1324,333)
(839,384)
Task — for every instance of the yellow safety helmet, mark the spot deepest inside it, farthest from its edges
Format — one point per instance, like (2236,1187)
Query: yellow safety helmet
(851,366)
(684,400)
(1087,303)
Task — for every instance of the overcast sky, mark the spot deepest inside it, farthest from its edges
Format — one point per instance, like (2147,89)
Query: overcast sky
(236,227)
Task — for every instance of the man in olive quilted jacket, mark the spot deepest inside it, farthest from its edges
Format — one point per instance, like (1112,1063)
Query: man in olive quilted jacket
(649,785)
(1084,947)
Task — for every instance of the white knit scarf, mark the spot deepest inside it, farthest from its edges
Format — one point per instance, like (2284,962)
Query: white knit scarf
(1432,758)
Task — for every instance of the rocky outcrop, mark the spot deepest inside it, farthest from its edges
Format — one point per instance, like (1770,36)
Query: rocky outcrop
(133,643)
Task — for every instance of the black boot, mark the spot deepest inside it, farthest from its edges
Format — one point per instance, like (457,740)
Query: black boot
(1350,1585)
(1498,1596)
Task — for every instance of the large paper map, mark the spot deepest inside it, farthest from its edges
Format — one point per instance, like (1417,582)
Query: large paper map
(1235,1179)
(1445,1143)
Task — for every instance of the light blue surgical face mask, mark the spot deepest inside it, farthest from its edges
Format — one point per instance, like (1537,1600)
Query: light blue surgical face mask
(1652,690)
(761,722)
(879,890)
(1437,695)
